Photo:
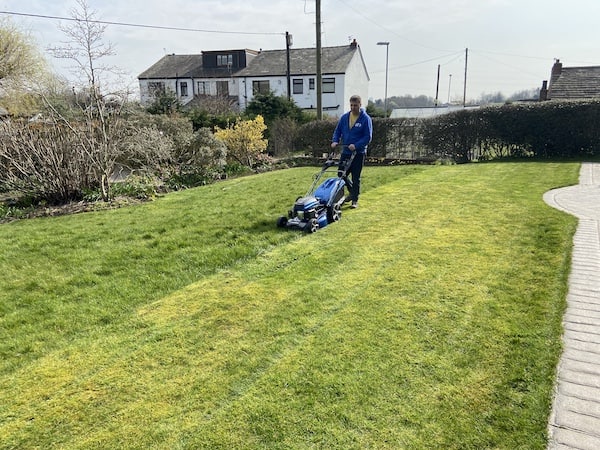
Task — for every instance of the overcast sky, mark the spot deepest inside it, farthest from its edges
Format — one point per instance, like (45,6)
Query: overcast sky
(511,44)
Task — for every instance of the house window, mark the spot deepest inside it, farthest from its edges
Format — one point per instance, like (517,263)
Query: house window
(202,88)
(156,88)
(224,60)
(260,87)
(311,84)
(328,85)
(298,86)
(183,88)
(223,88)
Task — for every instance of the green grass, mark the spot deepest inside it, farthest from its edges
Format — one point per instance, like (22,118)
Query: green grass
(430,317)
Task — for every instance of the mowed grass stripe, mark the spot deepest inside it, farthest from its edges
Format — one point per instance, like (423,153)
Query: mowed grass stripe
(455,347)
(388,329)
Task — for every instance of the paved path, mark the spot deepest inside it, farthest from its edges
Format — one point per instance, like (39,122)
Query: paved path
(575,418)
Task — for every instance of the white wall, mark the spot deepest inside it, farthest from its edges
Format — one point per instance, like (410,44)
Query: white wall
(192,88)
(307,100)
(357,82)
(145,97)
(276,84)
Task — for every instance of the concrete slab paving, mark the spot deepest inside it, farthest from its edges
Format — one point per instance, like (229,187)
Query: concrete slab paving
(575,419)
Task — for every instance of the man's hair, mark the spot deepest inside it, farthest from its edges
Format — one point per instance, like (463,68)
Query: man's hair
(355,99)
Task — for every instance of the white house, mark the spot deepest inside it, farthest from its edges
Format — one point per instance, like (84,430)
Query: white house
(240,74)
(343,73)
(190,76)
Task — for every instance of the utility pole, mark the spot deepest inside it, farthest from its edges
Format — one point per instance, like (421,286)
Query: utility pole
(288,44)
(437,87)
(465,87)
(319,69)
(387,54)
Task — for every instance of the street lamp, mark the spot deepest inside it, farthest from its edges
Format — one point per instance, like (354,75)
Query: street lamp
(387,53)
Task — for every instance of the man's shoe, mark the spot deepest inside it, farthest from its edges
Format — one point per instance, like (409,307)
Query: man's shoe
(348,199)
(354,204)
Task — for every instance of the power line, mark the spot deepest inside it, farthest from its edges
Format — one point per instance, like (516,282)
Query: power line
(454,56)
(156,27)
(361,14)
(387,29)
(429,60)
(512,66)
(511,54)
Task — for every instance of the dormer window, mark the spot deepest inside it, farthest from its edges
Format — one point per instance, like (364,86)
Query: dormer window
(224,60)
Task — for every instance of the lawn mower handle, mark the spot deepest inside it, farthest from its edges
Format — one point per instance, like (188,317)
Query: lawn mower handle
(343,172)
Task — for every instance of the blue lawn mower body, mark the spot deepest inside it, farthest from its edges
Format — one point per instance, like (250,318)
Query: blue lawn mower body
(323,202)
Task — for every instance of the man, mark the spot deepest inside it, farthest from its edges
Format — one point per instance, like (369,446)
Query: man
(355,131)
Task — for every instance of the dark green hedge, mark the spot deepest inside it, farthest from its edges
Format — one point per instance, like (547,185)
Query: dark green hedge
(542,130)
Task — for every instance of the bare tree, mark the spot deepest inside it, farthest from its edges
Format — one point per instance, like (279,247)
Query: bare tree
(100,135)
(85,46)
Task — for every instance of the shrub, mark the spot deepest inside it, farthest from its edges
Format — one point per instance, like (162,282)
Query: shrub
(283,133)
(202,118)
(44,161)
(177,128)
(164,103)
(244,140)
(200,162)
(272,107)
(315,137)
(146,149)
(168,146)
(203,150)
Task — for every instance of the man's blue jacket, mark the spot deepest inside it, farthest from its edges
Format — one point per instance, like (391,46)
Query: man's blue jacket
(360,134)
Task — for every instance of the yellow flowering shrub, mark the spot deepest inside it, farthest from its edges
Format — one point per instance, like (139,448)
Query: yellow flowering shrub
(244,140)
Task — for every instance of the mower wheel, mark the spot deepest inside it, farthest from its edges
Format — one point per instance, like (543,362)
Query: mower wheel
(312,226)
(282,222)
(334,213)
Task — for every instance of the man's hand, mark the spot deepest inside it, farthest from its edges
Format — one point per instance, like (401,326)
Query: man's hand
(334,144)
(351,147)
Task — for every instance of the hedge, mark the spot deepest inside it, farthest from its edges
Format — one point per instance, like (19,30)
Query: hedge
(536,129)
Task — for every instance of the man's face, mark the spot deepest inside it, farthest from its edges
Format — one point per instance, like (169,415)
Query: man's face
(355,107)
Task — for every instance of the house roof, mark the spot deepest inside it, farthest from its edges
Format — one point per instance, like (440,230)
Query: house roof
(182,66)
(575,83)
(265,63)
(303,61)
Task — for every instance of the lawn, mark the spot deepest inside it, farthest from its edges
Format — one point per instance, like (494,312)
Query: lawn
(430,317)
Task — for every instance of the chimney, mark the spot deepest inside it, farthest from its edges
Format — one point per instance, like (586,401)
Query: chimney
(555,75)
(353,44)
(556,68)
(544,91)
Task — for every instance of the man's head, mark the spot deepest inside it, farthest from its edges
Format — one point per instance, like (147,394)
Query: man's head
(355,103)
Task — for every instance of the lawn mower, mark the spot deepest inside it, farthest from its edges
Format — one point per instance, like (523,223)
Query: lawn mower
(321,205)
